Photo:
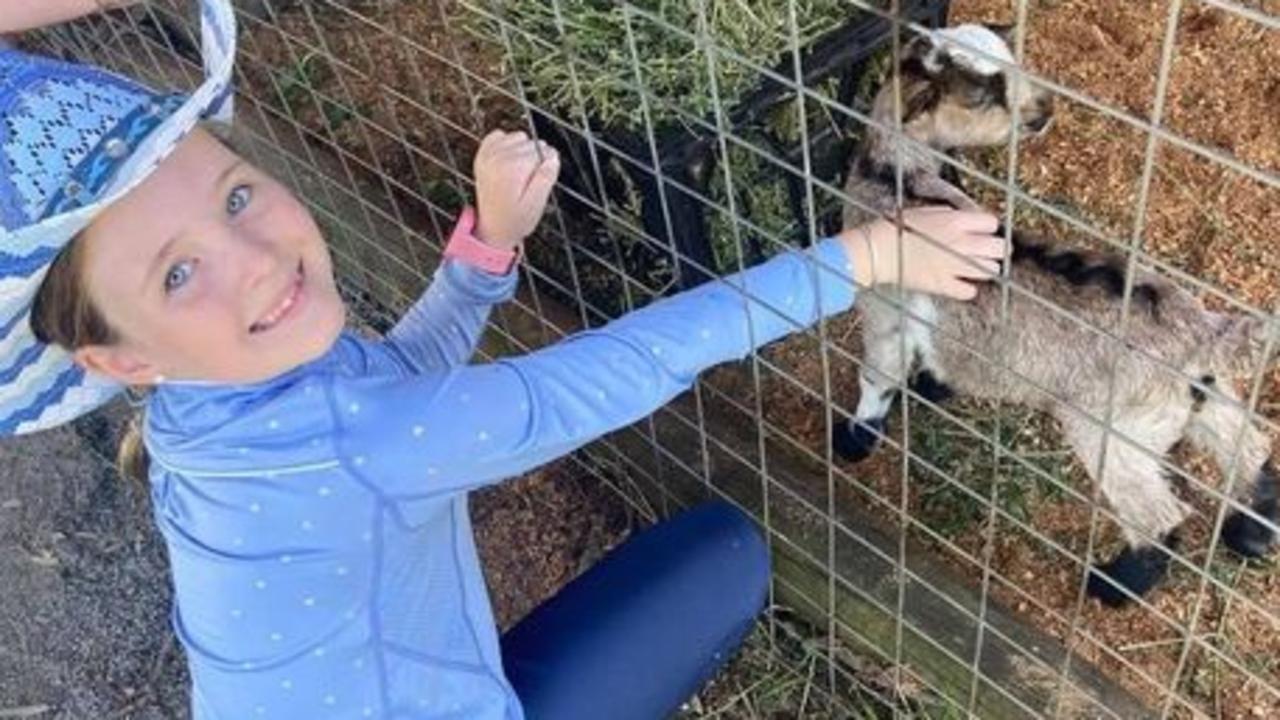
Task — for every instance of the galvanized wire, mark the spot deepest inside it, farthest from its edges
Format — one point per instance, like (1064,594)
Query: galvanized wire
(373,189)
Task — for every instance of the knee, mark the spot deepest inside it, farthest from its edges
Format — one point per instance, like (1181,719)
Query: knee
(739,549)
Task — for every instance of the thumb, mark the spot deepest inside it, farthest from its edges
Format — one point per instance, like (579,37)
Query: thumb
(542,180)
(959,289)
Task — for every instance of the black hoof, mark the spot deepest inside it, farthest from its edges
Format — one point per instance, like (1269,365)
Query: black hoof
(927,386)
(857,443)
(1136,570)
(1247,536)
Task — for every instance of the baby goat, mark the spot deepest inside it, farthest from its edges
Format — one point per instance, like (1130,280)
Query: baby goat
(1174,368)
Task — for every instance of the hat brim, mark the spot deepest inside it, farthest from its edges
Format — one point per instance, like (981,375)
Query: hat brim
(48,389)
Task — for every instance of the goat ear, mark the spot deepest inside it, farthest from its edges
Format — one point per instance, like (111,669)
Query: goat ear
(1004,31)
(921,56)
(916,46)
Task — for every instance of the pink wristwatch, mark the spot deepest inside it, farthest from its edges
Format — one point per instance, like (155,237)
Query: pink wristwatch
(465,247)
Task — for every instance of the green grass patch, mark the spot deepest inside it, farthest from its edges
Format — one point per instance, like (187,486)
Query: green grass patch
(1031,467)
(299,84)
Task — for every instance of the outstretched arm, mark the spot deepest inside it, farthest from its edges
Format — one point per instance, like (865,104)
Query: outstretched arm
(464,426)
(455,429)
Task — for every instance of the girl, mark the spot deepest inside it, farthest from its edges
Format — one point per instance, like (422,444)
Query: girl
(311,485)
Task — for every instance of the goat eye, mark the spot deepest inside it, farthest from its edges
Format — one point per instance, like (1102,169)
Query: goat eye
(239,199)
(979,95)
(972,93)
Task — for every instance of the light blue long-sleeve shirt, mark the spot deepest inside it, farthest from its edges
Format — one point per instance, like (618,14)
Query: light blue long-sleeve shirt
(322,554)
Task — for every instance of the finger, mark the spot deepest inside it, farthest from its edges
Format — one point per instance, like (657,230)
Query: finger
(960,290)
(550,164)
(542,180)
(491,142)
(979,269)
(915,219)
(529,148)
(515,138)
(984,246)
(977,221)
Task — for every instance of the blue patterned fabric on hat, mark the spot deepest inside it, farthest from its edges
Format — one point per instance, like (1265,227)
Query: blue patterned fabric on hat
(73,139)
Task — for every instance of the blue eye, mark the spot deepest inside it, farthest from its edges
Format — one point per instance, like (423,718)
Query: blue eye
(178,275)
(239,199)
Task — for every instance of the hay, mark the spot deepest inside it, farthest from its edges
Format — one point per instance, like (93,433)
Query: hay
(595,48)
(590,62)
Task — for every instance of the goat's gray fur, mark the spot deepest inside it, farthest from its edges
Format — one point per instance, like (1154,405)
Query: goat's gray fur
(1174,368)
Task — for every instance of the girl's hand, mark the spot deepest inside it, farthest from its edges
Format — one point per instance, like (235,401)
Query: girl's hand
(943,251)
(514,176)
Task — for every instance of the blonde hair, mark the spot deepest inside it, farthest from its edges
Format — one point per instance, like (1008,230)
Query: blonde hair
(63,314)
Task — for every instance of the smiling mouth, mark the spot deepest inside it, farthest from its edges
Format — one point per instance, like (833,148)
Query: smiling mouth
(282,308)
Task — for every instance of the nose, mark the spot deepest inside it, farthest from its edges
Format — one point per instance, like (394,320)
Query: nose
(1039,124)
(255,260)
(1043,114)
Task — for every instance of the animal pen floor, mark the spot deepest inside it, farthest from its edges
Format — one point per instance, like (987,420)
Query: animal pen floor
(1206,221)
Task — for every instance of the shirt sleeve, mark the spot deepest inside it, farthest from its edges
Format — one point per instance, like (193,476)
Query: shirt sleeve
(444,326)
(456,429)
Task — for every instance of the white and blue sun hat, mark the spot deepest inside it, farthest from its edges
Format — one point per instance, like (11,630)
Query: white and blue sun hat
(73,140)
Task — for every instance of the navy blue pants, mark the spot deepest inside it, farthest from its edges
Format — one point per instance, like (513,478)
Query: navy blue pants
(641,631)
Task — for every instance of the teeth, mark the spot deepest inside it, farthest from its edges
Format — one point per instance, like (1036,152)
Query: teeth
(280,311)
(274,316)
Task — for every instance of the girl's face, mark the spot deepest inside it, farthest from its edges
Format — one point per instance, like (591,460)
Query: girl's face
(208,270)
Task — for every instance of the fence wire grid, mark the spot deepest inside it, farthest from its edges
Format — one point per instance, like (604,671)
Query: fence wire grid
(946,576)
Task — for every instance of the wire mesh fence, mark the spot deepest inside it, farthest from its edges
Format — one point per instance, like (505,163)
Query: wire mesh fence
(945,575)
